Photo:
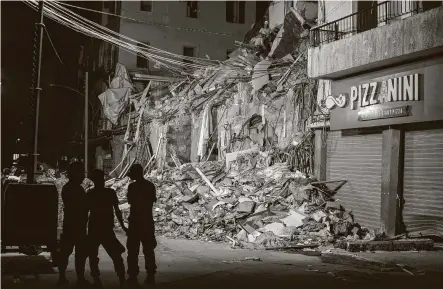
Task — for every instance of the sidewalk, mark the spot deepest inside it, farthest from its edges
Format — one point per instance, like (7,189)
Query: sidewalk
(417,261)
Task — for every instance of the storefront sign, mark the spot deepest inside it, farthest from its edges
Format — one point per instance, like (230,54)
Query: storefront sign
(409,93)
(380,113)
(405,88)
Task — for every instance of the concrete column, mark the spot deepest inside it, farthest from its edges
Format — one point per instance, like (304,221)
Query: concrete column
(392,174)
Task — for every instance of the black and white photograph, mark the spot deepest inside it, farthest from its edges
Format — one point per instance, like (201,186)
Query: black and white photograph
(221,144)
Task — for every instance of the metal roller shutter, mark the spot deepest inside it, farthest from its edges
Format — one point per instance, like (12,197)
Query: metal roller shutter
(358,159)
(423,182)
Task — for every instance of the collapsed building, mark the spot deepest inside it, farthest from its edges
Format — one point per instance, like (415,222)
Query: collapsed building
(230,149)
(241,152)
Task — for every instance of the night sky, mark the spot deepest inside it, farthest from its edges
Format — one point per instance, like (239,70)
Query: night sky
(61,110)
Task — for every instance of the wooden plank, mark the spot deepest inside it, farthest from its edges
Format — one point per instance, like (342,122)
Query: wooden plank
(393,143)
(210,152)
(208,182)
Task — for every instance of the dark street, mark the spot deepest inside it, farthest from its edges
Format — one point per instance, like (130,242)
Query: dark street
(193,264)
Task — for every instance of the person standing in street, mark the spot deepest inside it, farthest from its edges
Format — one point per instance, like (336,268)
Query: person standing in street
(141,197)
(75,209)
(103,202)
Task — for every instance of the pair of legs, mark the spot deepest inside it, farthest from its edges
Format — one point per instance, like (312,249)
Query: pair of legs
(67,244)
(147,240)
(114,249)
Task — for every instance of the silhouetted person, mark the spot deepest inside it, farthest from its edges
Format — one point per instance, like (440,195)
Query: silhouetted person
(75,208)
(103,202)
(141,197)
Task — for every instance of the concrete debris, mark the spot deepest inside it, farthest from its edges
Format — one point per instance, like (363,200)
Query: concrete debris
(260,77)
(254,209)
(246,207)
(261,193)
(256,259)
(397,245)
(295,219)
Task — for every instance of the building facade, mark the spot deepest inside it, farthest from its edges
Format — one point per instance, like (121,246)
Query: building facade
(190,28)
(380,71)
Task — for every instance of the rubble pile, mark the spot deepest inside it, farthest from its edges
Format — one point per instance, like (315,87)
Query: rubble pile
(249,204)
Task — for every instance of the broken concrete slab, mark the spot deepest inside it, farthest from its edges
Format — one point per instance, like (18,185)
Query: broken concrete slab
(289,36)
(278,229)
(203,190)
(260,77)
(319,216)
(211,205)
(233,156)
(227,182)
(398,245)
(190,199)
(244,199)
(242,236)
(246,207)
(253,236)
(295,219)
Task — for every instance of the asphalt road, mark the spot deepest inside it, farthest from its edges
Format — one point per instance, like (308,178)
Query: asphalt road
(194,264)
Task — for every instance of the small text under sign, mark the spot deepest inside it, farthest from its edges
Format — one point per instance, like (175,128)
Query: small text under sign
(380,113)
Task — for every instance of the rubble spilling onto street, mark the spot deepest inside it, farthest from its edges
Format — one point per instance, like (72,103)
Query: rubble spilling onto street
(249,204)
(260,194)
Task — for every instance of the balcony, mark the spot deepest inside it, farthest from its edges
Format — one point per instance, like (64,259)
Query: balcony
(384,34)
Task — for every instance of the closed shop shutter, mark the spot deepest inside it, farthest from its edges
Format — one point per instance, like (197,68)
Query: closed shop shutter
(357,159)
(423,182)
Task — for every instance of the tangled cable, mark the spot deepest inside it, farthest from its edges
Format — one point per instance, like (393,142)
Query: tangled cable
(178,64)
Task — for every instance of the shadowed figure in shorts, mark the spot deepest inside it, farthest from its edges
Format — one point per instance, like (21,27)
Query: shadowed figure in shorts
(75,209)
(103,202)
(141,197)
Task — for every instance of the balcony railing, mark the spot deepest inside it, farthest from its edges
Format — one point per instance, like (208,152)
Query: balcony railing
(363,20)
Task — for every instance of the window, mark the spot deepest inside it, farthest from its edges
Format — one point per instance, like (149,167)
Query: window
(367,18)
(188,51)
(146,6)
(191,9)
(235,11)
(142,61)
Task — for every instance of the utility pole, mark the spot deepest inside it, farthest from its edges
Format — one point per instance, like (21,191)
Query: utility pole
(86,122)
(37,90)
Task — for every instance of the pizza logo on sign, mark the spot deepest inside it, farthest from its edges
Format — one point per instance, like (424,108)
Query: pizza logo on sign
(340,101)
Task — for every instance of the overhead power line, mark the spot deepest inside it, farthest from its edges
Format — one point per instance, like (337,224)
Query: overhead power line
(147,22)
(171,61)
(177,64)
